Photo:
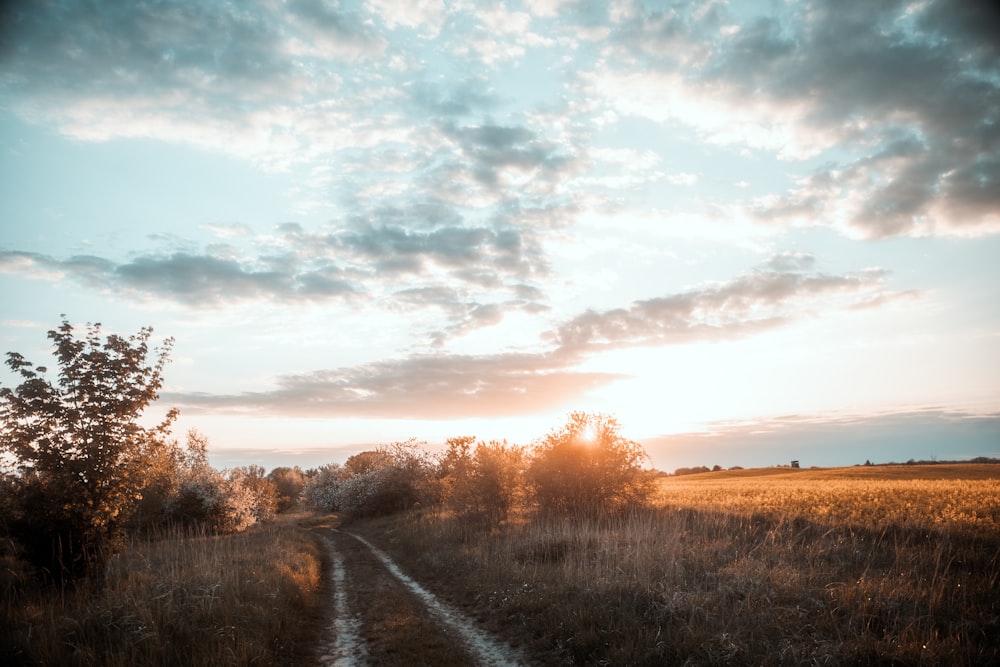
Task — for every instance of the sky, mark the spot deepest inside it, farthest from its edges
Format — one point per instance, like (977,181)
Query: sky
(752,231)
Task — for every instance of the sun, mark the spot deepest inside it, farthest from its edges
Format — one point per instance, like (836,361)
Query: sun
(588,435)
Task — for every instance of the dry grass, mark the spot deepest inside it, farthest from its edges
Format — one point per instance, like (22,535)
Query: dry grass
(812,567)
(251,598)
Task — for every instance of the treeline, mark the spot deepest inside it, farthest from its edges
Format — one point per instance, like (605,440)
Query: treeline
(585,467)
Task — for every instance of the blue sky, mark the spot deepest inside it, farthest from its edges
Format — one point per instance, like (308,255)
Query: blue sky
(753,231)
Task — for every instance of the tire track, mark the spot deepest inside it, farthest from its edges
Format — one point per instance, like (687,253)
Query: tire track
(344,646)
(486,650)
(400,621)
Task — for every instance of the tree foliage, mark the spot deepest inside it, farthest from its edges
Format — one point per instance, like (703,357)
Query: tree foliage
(82,453)
(588,467)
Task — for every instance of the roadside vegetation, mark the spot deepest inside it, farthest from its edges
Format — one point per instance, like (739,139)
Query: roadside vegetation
(180,598)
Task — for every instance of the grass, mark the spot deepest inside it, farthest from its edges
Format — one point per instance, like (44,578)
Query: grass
(804,567)
(250,598)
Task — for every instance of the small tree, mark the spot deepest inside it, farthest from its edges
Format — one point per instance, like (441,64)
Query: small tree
(588,467)
(79,447)
(288,482)
(479,484)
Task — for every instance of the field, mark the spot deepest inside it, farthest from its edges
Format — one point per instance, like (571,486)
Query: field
(858,565)
(867,565)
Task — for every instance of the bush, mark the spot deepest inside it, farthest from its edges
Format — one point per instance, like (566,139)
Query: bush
(321,490)
(373,483)
(479,485)
(588,467)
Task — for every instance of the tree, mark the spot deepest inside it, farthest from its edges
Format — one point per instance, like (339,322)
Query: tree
(80,449)
(479,484)
(289,483)
(588,467)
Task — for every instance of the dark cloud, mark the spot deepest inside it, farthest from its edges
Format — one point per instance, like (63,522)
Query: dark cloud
(453,100)
(492,148)
(219,55)
(196,280)
(913,90)
(469,252)
(790,261)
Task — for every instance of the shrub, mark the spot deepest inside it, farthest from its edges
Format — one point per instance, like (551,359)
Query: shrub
(588,467)
(373,483)
(479,485)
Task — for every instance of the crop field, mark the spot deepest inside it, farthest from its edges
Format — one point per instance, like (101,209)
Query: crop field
(949,497)
(778,566)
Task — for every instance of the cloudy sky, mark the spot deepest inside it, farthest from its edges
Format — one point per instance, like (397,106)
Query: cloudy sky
(753,231)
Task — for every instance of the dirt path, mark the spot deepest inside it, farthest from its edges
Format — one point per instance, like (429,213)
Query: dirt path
(381,616)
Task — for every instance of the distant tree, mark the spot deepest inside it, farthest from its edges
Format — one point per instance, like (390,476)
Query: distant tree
(587,466)
(691,471)
(323,486)
(289,483)
(81,452)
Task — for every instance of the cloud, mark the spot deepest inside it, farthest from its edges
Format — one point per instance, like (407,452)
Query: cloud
(242,80)
(751,303)
(440,262)
(903,96)
(194,280)
(790,261)
(496,150)
(422,387)
(443,386)
(425,16)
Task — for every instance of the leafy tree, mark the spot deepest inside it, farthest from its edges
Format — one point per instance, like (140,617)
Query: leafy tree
(588,467)
(479,484)
(78,444)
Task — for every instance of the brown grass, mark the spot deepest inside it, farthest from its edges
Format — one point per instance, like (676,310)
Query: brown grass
(803,567)
(250,598)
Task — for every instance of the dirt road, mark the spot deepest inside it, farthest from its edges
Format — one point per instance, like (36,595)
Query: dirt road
(381,616)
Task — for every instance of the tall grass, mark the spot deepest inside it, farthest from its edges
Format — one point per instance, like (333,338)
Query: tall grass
(179,599)
(730,582)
